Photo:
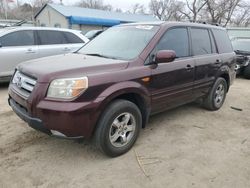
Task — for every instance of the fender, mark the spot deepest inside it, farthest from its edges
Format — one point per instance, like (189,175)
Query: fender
(225,72)
(127,87)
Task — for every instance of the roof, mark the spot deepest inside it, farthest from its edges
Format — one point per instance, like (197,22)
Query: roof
(78,15)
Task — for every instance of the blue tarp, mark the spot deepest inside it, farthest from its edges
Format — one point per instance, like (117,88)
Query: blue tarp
(92,21)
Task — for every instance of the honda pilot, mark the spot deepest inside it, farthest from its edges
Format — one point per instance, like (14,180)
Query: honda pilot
(109,88)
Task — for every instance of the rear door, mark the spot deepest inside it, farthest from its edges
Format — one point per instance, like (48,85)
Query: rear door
(16,47)
(207,59)
(57,42)
(172,83)
(51,43)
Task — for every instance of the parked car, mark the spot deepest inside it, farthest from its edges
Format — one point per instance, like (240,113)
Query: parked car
(18,44)
(241,46)
(109,90)
(93,33)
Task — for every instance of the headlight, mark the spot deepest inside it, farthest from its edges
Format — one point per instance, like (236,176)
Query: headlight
(67,88)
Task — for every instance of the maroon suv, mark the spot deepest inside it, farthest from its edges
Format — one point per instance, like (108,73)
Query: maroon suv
(110,87)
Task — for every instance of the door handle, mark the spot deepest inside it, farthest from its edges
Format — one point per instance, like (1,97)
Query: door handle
(66,49)
(189,67)
(30,51)
(218,61)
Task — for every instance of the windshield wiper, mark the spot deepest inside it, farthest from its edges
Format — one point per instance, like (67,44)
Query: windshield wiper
(100,55)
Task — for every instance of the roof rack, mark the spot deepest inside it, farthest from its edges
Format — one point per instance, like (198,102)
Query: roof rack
(204,22)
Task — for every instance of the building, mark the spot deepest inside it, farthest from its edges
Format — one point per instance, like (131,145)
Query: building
(84,19)
(238,32)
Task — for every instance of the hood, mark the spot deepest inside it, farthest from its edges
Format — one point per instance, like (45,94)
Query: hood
(69,65)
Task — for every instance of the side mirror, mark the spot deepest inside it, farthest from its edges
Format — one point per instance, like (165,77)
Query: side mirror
(165,56)
(1,45)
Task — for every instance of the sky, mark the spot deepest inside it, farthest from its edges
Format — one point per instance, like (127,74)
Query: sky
(122,4)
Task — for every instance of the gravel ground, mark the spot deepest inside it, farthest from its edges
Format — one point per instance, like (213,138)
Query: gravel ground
(184,147)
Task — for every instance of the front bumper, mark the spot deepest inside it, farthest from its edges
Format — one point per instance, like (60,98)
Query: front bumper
(36,123)
(23,114)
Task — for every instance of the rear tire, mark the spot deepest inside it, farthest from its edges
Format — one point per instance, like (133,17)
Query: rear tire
(246,72)
(118,128)
(217,95)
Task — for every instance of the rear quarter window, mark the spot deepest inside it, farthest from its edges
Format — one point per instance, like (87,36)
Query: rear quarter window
(72,38)
(222,40)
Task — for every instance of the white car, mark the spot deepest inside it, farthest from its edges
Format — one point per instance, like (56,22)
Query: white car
(18,44)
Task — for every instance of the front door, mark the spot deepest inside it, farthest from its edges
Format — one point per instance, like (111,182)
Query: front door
(172,83)
(16,47)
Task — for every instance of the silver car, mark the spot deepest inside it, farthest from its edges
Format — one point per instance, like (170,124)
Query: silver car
(25,43)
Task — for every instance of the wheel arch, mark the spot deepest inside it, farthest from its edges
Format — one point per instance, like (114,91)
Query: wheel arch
(133,92)
(224,73)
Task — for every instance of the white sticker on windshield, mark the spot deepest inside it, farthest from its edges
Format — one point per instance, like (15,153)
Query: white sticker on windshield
(146,27)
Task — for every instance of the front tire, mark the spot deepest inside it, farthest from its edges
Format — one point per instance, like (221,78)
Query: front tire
(246,72)
(118,128)
(217,95)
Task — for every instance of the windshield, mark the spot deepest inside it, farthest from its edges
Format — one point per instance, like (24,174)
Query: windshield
(241,44)
(122,42)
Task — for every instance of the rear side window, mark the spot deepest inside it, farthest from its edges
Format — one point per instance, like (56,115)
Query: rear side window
(18,38)
(72,38)
(222,40)
(201,44)
(175,39)
(51,37)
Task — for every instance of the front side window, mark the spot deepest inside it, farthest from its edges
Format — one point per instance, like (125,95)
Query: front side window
(201,44)
(175,39)
(121,42)
(47,37)
(18,38)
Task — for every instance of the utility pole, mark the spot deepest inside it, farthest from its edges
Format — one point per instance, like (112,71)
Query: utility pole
(6,9)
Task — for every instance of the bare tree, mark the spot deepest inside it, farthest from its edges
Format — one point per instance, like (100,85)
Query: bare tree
(40,3)
(194,7)
(138,9)
(95,4)
(164,9)
(221,11)
(241,16)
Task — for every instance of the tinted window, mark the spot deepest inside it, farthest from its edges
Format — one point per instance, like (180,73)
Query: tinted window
(200,41)
(222,40)
(177,40)
(71,38)
(51,37)
(18,38)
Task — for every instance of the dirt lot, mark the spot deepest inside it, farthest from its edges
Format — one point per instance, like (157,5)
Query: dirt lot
(185,147)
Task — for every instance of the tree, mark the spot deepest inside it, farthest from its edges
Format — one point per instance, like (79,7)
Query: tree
(193,9)
(164,9)
(241,16)
(138,9)
(221,11)
(95,4)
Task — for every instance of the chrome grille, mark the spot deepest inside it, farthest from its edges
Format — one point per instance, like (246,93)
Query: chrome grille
(23,83)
